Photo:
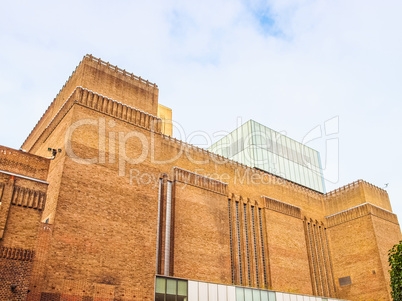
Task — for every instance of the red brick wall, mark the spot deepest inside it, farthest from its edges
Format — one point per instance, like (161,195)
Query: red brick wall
(287,253)
(355,254)
(387,234)
(22,163)
(21,211)
(104,232)
(201,240)
(39,268)
(15,267)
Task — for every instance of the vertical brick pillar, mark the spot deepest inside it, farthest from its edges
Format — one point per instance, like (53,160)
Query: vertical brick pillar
(36,286)
(5,204)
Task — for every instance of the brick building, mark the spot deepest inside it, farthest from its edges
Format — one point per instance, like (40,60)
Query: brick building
(101,203)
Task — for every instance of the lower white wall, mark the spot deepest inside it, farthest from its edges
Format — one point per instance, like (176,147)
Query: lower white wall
(202,291)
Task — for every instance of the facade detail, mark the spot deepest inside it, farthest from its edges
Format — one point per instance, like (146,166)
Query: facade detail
(102,203)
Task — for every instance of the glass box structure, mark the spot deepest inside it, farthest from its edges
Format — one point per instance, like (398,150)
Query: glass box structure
(258,146)
(174,289)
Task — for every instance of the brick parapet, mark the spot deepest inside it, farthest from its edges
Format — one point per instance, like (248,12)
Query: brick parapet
(282,207)
(353,185)
(104,105)
(23,163)
(360,211)
(128,75)
(117,109)
(17,254)
(384,214)
(355,194)
(30,198)
(200,181)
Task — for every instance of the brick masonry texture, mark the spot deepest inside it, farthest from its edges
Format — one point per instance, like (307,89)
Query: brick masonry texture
(122,203)
(14,273)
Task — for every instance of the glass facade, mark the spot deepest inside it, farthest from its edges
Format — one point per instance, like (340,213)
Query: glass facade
(167,288)
(258,146)
(248,294)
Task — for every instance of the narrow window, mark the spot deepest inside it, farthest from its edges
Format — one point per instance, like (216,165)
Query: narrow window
(330,261)
(255,247)
(238,242)
(262,248)
(312,257)
(318,259)
(324,260)
(247,249)
(231,240)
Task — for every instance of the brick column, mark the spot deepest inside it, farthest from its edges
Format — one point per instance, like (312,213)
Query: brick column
(37,284)
(5,204)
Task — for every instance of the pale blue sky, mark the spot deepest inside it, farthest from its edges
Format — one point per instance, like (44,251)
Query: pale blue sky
(291,65)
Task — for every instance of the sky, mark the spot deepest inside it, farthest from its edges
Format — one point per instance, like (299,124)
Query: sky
(326,73)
